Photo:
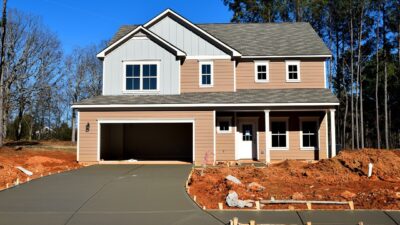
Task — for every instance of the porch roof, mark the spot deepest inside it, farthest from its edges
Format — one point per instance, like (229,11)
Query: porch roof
(264,97)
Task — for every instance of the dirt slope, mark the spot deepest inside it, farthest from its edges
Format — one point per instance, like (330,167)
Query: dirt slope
(35,160)
(341,178)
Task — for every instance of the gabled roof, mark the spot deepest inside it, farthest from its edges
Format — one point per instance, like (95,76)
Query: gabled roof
(154,37)
(186,23)
(261,97)
(251,40)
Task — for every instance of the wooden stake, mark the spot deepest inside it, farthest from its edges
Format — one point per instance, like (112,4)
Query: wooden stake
(252,222)
(258,205)
(360,223)
(204,207)
(194,198)
(309,205)
(291,207)
(351,205)
(220,206)
(17,181)
(235,221)
(7,185)
(27,179)
(308,223)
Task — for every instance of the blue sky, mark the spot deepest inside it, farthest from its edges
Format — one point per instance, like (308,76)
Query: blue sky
(83,22)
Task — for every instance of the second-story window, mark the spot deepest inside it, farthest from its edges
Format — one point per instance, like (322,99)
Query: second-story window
(261,71)
(206,73)
(292,71)
(141,76)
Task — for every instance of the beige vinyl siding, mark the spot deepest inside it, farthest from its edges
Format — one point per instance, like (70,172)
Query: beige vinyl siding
(204,149)
(222,80)
(225,146)
(295,151)
(311,75)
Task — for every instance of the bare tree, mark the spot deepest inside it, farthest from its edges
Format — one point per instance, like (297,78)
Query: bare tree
(359,80)
(84,72)
(378,135)
(2,60)
(352,79)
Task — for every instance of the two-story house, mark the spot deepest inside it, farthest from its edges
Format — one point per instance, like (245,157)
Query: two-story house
(203,93)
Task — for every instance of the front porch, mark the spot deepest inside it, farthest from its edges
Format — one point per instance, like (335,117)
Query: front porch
(300,134)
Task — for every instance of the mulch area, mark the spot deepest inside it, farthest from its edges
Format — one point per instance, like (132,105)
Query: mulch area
(342,178)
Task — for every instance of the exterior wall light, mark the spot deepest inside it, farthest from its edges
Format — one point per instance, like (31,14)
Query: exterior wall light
(87,127)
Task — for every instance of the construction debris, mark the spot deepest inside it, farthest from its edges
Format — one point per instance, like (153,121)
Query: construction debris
(233,179)
(27,172)
(232,200)
(254,186)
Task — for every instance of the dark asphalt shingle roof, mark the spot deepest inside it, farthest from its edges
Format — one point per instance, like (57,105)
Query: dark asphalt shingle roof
(261,39)
(310,95)
(269,39)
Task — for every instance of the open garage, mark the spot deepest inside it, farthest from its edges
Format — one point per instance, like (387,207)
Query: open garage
(146,141)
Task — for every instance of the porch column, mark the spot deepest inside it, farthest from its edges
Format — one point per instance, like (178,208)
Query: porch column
(333,133)
(267,139)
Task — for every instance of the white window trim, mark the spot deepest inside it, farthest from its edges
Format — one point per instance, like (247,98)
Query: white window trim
(261,63)
(312,119)
(224,119)
(125,63)
(279,119)
(293,62)
(206,62)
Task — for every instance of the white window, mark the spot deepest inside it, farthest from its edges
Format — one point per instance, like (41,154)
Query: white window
(206,73)
(141,76)
(292,71)
(309,133)
(224,124)
(279,134)
(261,71)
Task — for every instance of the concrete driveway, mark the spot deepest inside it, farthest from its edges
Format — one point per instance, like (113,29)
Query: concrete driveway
(142,194)
(106,194)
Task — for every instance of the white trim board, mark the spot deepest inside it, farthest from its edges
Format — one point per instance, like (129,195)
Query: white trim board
(102,54)
(284,56)
(110,121)
(199,105)
(77,135)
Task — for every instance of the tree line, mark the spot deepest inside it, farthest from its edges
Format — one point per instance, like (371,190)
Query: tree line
(39,82)
(364,71)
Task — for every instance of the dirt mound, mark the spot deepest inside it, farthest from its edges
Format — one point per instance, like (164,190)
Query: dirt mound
(342,178)
(43,160)
(386,164)
(36,160)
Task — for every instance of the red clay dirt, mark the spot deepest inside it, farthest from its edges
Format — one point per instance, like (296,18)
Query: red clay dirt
(342,178)
(37,160)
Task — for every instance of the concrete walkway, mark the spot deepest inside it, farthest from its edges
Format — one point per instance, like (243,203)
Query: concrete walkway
(141,194)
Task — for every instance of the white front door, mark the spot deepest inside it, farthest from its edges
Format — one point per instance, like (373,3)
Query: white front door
(246,139)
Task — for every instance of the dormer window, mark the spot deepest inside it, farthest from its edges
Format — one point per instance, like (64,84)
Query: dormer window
(292,71)
(261,71)
(141,76)
(206,73)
